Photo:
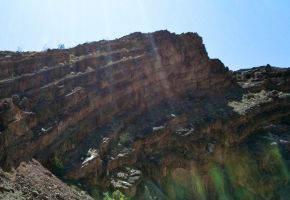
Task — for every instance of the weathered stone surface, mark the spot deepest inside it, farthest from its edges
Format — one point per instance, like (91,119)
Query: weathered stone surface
(154,103)
(32,181)
(126,179)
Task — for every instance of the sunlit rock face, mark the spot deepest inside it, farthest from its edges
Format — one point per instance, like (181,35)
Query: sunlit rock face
(150,115)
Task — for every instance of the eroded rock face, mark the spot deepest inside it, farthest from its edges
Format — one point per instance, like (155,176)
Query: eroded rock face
(153,103)
(126,179)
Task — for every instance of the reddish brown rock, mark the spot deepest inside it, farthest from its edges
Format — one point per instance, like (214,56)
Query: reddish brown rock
(155,103)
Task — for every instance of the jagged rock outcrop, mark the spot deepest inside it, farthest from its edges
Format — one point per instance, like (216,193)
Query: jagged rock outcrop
(152,103)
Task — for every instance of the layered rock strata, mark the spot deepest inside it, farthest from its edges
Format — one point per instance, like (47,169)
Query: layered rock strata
(141,114)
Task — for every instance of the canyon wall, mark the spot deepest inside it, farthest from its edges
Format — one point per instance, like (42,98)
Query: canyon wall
(141,112)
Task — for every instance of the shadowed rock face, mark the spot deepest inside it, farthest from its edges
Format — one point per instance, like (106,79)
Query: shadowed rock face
(147,114)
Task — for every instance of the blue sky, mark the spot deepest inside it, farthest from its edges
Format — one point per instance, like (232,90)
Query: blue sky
(242,33)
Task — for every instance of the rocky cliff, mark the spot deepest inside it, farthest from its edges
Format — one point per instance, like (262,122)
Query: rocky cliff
(150,115)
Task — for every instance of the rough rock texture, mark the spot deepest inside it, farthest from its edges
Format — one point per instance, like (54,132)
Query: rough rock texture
(148,114)
(32,181)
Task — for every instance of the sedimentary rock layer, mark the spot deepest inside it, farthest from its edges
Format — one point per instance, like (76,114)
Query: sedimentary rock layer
(143,111)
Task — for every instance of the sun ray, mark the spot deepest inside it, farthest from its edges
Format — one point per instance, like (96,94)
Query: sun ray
(158,63)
